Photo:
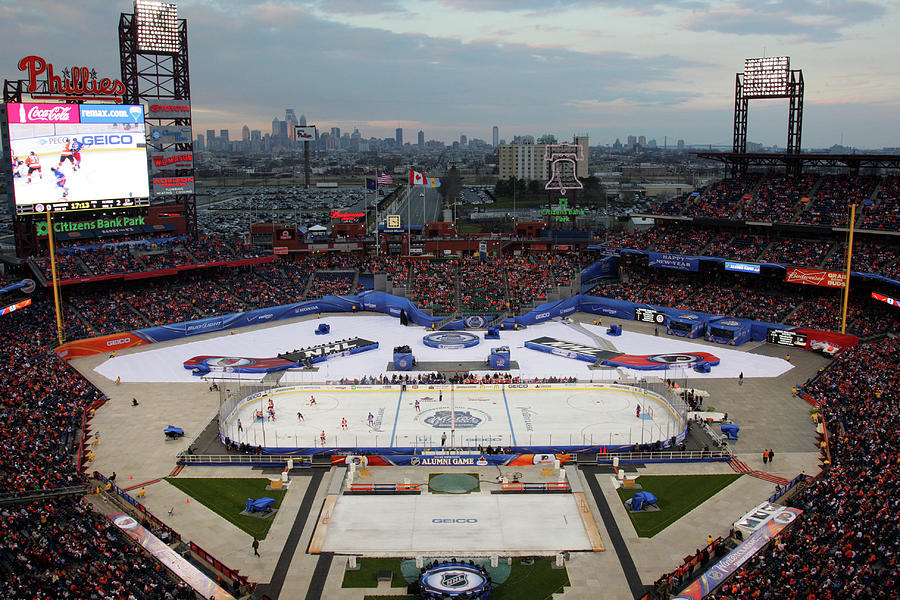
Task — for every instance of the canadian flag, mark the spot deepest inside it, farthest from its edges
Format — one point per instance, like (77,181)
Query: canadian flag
(416,178)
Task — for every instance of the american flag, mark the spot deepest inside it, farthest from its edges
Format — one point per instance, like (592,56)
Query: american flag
(385,179)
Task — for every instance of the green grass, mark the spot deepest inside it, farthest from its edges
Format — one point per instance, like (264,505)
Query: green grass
(228,497)
(367,575)
(677,494)
(431,476)
(531,582)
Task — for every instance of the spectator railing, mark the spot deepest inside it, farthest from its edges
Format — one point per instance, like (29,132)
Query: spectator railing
(215,563)
(664,456)
(174,535)
(28,496)
(280,460)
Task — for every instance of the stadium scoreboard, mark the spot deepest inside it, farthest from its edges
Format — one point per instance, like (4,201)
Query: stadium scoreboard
(648,315)
(69,157)
(783,337)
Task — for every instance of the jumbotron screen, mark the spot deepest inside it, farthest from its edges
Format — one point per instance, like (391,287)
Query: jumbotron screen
(77,156)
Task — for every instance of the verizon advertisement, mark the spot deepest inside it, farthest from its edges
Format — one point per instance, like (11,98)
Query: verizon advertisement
(169,109)
(170,186)
(830,279)
(171,161)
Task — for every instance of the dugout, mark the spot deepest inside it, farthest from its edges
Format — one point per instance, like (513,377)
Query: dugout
(686,325)
(730,331)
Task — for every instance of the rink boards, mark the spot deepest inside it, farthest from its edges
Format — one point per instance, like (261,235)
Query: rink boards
(539,418)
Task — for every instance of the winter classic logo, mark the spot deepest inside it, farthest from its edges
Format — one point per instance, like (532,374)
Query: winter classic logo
(674,359)
(459,419)
(451,339)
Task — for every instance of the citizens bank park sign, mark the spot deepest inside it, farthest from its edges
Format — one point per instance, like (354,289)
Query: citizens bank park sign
(171,161)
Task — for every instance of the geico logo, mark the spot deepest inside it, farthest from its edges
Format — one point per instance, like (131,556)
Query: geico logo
(167,108)
(543,315)
(118,342)
(454,520)
(113,139)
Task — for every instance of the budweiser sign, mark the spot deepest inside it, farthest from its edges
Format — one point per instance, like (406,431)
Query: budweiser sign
(830,279)
(76,83)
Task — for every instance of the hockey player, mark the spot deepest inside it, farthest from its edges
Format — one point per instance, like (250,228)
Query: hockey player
(76,147)
(33,162)
(60,181)
(66,154)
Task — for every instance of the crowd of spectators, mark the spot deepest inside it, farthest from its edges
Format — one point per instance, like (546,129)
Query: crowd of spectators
(885,212)
(432,285)
(868,257)
(331,283)
(726,199)
(528,281)
(846,542)
(481,287)
(777,198)
(737,246)
(831,203)
(60,549)
(797,252)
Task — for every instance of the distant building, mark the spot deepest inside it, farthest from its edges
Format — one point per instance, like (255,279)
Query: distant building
(463,140)
(290,120)
(581,166)
(198,144)
(421,139)
(245,134)
(522,161)
(495,136)
(398,136)
(336,138)
(302,122)
(211,139)
(642,141)
(680,144)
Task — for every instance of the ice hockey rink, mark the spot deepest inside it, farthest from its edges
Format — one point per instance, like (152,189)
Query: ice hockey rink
(165,364)
(469,415)
(452,524)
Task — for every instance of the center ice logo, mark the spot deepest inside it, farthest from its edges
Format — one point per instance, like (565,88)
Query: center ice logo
(443,419)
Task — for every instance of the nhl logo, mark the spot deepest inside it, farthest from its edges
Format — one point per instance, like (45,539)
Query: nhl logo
(454,580)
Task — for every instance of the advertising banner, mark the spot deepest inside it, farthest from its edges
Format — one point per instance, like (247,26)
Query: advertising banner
(171,161)
(169,186)
(43,113)
(673,261)
(161,551)
(741,267)
(169,109)
(305,133)
(98,113)
(733,561)
(173,134)
(831,279)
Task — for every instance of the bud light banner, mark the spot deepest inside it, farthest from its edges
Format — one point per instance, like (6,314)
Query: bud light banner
(673,261)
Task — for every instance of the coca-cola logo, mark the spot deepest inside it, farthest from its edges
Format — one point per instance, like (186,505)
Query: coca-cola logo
(60,114)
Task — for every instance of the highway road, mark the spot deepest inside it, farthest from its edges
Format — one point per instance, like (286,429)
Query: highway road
(430,204)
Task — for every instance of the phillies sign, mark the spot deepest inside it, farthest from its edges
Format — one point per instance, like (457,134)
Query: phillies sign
(831,279)
(76,83)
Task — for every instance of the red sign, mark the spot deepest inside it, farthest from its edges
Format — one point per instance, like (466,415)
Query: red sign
(280,250)
(43,113)
(347,217)
(831,279)
(888,299)
(77,83)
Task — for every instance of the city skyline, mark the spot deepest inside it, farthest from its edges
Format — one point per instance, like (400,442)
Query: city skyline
(457,67)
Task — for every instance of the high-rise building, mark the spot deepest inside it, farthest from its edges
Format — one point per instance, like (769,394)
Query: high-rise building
(421,139)
(198,144)
(631,143)
(223,135)
(275,123)
(680,144)
(211,139)
(642,141)
(302,121)
(290,120)
(245,134)
(463,140)
(398,135)
(255,135)
(495,136)
(581,166)
(522,161)
(336,138)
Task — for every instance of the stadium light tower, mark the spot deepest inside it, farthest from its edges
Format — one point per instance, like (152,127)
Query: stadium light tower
(153,53)
(769,77)
(157,26)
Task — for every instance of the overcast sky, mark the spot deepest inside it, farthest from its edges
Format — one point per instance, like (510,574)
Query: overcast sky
(609,68)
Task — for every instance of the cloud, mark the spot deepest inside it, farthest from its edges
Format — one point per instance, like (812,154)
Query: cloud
(807,20)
